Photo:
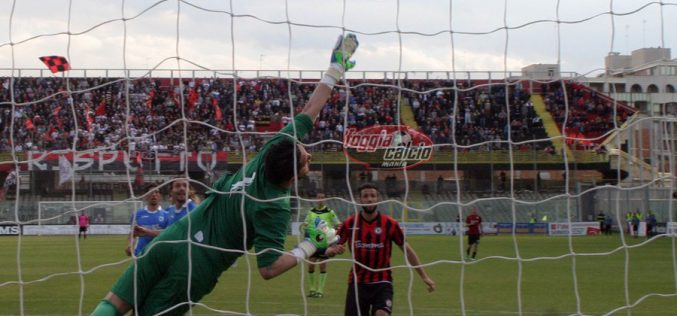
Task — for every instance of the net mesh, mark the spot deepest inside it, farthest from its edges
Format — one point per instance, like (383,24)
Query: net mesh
(518,146)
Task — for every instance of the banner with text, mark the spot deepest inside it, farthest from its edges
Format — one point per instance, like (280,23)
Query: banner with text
(576,229)
(10,230)
(118,160)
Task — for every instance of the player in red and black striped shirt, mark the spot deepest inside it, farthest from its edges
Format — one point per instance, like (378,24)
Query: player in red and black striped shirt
(474,224)
(370,236)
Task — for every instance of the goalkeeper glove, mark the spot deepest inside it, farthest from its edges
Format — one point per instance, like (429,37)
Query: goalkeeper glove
(318,238)
(340,59)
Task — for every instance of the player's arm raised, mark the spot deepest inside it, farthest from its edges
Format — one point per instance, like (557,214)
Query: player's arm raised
(340,62)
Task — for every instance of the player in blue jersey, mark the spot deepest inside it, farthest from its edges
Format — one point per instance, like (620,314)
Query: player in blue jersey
(184,200)
(183,204)
(151,217)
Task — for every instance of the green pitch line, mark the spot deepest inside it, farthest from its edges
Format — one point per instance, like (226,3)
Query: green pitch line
(490,285)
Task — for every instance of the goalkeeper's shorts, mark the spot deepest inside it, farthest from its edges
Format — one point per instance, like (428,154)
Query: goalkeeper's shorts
(161,278)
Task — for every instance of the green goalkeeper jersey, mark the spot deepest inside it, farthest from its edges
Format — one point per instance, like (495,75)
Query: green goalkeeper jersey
(229,220)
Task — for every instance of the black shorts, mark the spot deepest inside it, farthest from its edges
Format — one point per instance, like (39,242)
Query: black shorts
(83,229)
(473,239)
(371,297)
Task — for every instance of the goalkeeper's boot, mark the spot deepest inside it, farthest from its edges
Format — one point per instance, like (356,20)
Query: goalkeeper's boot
(312,294)
(319,295)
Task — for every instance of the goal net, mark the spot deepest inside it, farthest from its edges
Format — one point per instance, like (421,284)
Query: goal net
(554,120)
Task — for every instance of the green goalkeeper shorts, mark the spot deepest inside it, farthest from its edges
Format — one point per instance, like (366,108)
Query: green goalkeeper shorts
(158,281)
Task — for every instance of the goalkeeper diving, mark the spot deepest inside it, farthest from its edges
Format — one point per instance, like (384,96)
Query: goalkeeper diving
(209,240)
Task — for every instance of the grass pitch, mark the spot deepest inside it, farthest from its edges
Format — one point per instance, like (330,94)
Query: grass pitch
(548,280)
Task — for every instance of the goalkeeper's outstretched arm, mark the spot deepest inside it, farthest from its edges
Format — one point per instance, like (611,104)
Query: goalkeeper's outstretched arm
(287,261)
(340,62)
(320,239)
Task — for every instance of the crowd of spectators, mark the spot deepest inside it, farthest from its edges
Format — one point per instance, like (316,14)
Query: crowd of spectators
(47,113)
(482,116)
(588,116)
(44,119)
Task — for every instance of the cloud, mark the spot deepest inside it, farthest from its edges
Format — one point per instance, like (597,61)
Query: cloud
(263,40)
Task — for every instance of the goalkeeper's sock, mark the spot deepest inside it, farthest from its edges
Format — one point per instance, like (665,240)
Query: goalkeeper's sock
(474,254)
(323,280)
(311,280)
(105,308)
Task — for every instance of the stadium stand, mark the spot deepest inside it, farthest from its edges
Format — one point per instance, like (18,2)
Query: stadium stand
(261,106)
(481,114)
(590,115)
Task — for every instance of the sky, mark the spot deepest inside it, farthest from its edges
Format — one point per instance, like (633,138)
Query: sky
(406,35)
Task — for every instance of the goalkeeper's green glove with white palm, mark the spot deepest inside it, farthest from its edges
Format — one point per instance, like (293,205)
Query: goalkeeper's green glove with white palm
(319,236)
(340,59)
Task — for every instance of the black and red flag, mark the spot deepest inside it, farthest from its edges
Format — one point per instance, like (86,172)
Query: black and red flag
(56,63)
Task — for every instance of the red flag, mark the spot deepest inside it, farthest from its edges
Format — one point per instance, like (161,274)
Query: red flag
(149,101)
(138,159)
(192,98)
(90,119)
(48,136)
(217,109)
(56,63)
(101,109)
(29,123)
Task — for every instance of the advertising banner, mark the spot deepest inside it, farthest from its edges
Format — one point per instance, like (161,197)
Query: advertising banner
(576,229)
(10,230)
(522,228)
(74,229)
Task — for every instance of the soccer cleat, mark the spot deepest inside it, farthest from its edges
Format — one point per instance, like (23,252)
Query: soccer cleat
(318,295)
(312,294)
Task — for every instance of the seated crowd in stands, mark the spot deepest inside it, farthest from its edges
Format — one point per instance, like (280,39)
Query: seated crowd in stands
(481,116)
(44,113)
(589,115)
